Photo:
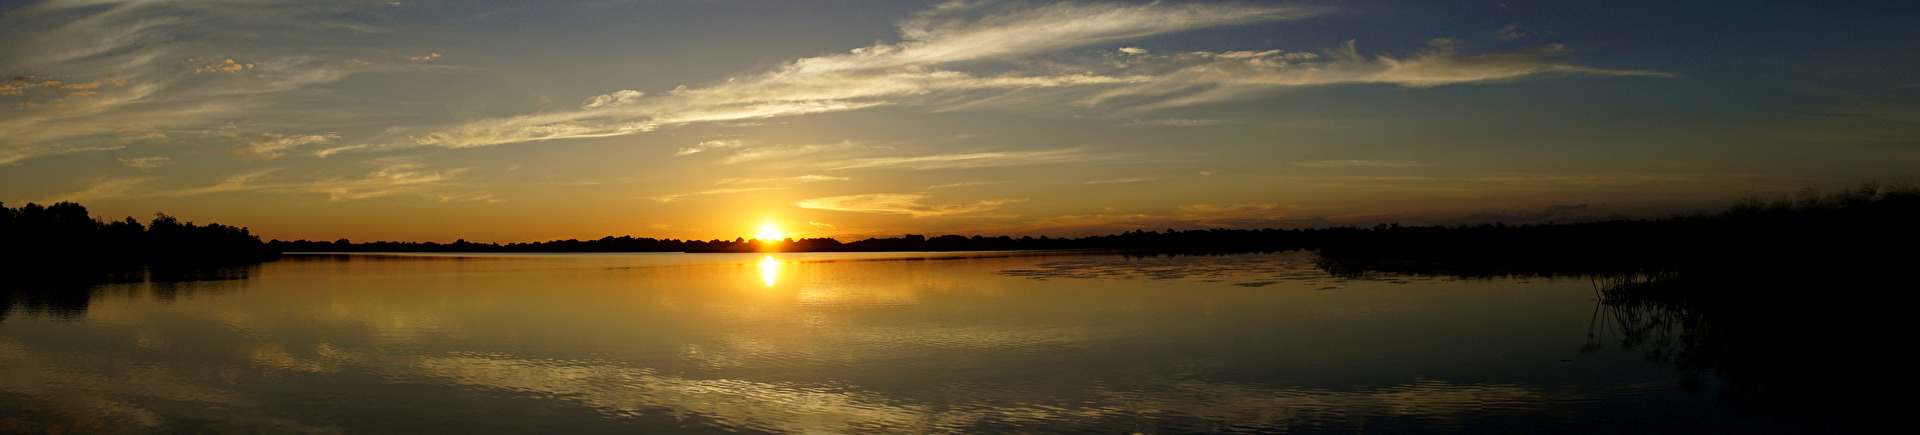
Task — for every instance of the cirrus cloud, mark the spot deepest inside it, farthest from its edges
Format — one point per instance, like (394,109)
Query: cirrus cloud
(940,56)
(900,203)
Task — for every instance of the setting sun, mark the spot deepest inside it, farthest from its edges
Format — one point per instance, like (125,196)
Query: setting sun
(769,233)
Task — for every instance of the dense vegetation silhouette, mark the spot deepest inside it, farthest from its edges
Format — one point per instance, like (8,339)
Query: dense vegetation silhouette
(62,242)
(59,254)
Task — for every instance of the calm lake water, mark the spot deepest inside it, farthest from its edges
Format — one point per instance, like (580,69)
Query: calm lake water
(845,342)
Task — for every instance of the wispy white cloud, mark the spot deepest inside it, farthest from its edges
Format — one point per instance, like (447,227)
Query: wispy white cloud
(1123,180)
(127,68)
(104,188)
(241,182)
(1262,215)
(925,68)
(469,197)
(340,149)
(783,151)
(618,98)
(390,176)
(676,197)
(1357,164)
(881,74)
(1204,77)
(1178,122)
(710,145)
(1510,33)
(10,156)
(145,162)
(273,145)
(1202,212)
(900,203)
(963,184)
(19,85)
(208,64)
(784,180)
(968,160)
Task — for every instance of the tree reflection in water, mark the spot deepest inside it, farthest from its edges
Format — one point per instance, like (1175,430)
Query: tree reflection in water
(65,295)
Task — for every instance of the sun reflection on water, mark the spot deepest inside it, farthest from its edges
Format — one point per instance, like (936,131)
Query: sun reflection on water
(770,270)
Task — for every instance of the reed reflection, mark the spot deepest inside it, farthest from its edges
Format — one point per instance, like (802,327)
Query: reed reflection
(1815,361)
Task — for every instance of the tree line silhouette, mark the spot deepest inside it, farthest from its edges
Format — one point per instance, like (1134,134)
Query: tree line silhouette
(1140,239)
(1832,225)
(1814,228)
(58,253)
(1866,228)
(65,236)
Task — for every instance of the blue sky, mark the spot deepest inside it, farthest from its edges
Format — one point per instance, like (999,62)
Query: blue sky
(516,121)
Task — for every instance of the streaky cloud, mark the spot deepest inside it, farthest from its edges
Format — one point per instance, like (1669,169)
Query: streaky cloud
(1123,180)
(246,181)
(1178,122)
(968,160)
(786,180)
(880,74)
(900,203)
(274,145)
(913,72)
(104,188)
(130,68)
(963,184)
(710,145)
(1357,164)
(676,197)
(783,151)
(1194,78)
(148,162)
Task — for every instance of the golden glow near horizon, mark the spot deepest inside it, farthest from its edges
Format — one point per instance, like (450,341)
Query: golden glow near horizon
(769,234)
(770,270)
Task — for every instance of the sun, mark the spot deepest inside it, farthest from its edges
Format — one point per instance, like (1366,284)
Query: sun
(770,233)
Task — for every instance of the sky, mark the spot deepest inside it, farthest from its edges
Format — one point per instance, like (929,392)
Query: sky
(514,121)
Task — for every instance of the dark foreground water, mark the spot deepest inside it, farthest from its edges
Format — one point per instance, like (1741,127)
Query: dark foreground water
(836,343)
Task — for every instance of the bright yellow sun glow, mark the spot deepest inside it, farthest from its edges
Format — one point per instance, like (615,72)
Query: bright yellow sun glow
(770,270)
(769,233)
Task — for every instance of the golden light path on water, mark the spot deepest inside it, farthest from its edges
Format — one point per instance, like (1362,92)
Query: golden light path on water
(770,270)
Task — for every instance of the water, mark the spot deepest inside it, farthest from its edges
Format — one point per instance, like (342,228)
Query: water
(834,343)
